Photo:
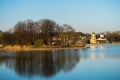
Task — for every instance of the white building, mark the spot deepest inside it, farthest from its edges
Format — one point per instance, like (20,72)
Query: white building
(101,39)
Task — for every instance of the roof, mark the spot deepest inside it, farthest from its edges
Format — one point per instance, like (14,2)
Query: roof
(101,39)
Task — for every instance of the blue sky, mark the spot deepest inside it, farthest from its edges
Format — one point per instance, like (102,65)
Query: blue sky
(83,15)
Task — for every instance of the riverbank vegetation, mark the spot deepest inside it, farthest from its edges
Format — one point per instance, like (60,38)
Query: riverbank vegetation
(46,33)
(41,33)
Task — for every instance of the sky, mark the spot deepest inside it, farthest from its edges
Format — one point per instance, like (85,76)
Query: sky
(84,15)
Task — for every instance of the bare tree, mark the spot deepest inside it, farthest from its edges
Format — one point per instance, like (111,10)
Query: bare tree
(47,30)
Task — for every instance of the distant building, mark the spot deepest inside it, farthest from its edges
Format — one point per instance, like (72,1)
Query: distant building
(93,38)
(56,41)
(102,39)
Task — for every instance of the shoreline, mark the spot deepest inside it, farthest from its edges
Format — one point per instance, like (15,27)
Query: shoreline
(52,48)
(39,48)
(32,48)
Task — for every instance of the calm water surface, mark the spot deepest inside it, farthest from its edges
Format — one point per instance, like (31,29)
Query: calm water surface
(97,62)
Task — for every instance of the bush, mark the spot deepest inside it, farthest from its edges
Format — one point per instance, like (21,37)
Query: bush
(39,42)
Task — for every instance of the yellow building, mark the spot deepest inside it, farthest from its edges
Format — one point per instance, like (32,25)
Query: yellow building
(93,38)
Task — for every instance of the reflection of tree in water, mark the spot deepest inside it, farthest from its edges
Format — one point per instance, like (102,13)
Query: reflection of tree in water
(45,63)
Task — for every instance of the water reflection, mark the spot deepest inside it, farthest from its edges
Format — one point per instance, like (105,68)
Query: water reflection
(93,56)
(45,63)
(100,51)
(93,46)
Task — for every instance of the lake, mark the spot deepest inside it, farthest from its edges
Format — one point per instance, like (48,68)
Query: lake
(95,62)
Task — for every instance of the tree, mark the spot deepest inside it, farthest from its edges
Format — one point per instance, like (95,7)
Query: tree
(20,33)
(8,38)
(67,28)
(1,35)
(63,37)
(48,27)
(26,32)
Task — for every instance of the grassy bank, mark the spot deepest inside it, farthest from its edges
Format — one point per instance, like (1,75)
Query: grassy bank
(115,42)
(24,48)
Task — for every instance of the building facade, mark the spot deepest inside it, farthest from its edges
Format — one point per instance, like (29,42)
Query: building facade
(102,39)
(93,38)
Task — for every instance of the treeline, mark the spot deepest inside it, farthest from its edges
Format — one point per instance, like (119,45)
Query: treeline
(45,31)
(111,36)
(30,32)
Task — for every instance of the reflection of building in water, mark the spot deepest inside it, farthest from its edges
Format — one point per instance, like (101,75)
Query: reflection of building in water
(101,46)
(44,63)
(101,55)
(93,46)
(93,56)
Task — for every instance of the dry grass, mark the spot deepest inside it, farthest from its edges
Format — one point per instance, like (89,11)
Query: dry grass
(8,47)
(16,47)
(19,48)
(115,42)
